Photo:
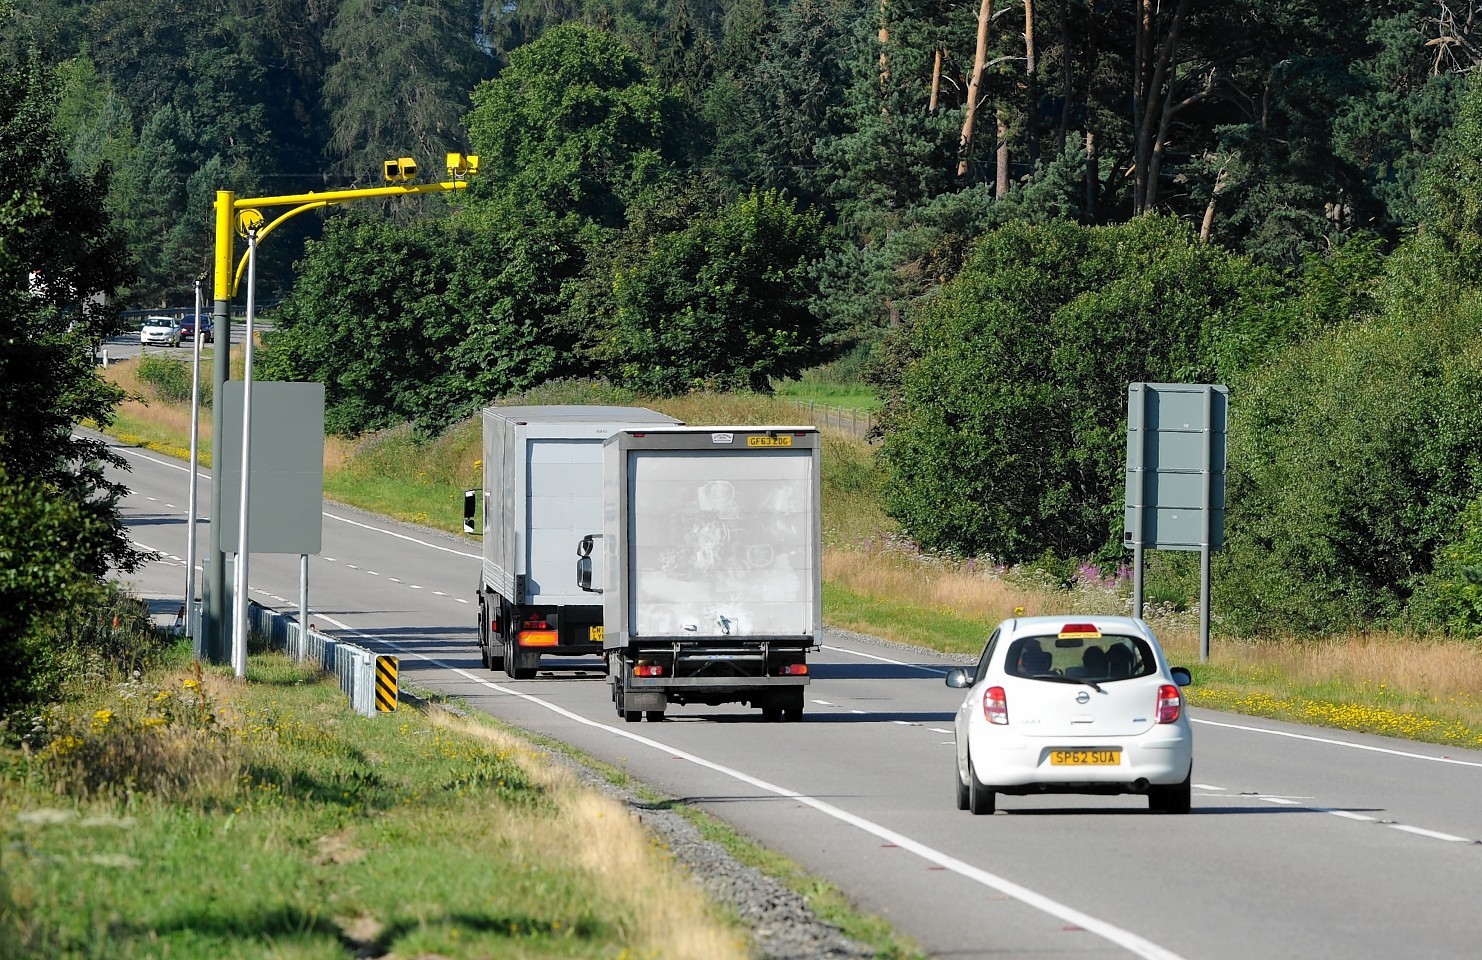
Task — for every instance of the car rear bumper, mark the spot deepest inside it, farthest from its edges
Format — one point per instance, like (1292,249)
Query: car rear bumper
(1161,756)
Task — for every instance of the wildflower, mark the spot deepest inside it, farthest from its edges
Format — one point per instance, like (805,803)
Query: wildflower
(190,683)
(102,718)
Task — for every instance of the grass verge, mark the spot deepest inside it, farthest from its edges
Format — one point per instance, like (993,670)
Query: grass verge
(181,814)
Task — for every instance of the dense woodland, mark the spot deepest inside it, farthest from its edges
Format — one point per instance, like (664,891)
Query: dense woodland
(998,213)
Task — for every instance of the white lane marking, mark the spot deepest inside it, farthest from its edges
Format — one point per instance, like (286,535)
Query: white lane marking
(1067,914)
(353,523)
(1208,786)
(330,559)
(394,579)
(438,593)
(414,586)
(172,506)
(894,663)
(938,730)
(1418,831)
(352,566)
(373,573)
(824,703)
(402,536)
(903,723)
(461,600)
(1337,743)
(1434,835)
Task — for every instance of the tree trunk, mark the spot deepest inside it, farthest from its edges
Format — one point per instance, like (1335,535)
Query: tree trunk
(1001,183)
(1208,225)
(1093,175)
(936,81)
(1031,84)
(974,87)
(1067,79)
(884,40)
(1150,136)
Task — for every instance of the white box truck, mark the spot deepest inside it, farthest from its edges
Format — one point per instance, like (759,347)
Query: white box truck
(542,494)
(713,589)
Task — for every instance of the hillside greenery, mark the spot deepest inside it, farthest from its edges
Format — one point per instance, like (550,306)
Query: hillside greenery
(681,196)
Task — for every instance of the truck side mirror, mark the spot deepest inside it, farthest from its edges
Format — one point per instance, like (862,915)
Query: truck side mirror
(470,510)
(584,563)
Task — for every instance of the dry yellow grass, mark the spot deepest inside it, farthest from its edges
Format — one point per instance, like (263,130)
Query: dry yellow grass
(671,916)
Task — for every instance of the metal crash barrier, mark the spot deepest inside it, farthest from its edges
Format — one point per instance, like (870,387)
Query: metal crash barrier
(367,678)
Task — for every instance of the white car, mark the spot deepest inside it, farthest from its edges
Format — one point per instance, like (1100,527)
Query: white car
(1073,704)
(160,330)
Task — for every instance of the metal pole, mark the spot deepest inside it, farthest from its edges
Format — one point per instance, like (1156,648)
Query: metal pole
(303,597)
(190,511)
(1206,512)
(1138,394)
(214,612)
(239,629)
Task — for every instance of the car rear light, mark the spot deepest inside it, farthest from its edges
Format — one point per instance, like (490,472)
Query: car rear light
(1170,703)
(793,670)
(996,705)
(648,669)
(537,638)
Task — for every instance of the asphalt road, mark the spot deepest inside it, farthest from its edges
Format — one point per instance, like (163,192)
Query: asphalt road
(1304,842)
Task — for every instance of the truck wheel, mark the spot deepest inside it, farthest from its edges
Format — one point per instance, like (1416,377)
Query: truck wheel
(793,709)
(496,654)
(509,660)
(772,712)
(654,716)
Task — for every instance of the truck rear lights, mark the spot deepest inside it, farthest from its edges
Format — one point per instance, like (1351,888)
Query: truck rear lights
(538,638)
(793,670)
(1170,703)
(535,623)
(648,670)
(996,705)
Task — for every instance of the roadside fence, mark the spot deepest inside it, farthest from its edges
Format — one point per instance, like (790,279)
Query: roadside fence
(847,419)
(367,678)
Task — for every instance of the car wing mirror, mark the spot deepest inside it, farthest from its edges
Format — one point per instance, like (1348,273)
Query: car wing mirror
(1181,676)
(959,677)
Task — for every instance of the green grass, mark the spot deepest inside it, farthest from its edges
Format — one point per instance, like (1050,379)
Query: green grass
(905,622)
(328,831)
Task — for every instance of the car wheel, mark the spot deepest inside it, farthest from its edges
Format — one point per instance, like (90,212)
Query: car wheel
(962,790)
(1173,798)
(979,798)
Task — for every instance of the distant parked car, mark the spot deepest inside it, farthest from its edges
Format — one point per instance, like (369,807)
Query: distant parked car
(188,329)
(164,331)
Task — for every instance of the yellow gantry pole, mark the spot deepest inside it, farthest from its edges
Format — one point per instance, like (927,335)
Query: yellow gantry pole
(213,612)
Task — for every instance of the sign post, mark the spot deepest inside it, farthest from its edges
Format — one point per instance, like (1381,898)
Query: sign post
(1176,479)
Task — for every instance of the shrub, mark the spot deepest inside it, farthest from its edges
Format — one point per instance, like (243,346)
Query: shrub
(171,379)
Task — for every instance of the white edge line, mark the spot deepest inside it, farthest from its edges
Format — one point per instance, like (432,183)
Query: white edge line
(354,523)
(1336,743)
(1122,938)
(895,663)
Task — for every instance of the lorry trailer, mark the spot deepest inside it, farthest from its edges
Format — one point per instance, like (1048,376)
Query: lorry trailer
(542,493)
(712,589)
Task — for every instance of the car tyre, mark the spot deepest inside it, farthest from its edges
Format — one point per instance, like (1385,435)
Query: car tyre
(980,799)
(1174,797)
(962,789)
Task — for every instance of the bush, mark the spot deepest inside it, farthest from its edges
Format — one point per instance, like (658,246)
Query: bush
(1005,397)
(171,379)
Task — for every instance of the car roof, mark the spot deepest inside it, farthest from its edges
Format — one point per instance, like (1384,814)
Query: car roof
(1039,626)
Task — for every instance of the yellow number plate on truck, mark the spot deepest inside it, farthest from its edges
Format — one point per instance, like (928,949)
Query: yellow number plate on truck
(595,633)
(769,441)
(1085,758)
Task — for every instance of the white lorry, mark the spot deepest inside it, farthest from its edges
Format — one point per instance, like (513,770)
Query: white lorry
(711,545)
(542,494)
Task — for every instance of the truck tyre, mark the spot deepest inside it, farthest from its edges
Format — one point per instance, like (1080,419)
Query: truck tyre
(509,659)
(654,716)
(772,712)
(793,710)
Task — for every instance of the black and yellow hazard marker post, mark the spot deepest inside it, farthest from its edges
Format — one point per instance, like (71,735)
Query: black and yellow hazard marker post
(386,684)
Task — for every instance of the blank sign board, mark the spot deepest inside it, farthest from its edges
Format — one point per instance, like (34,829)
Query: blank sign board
(1176,465)
(286,499)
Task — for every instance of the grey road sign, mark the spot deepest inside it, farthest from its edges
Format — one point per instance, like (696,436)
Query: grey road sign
(287,491)
(1176,465)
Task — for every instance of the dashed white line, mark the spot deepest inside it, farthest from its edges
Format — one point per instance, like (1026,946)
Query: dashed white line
(1349,815)
(1433,834)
